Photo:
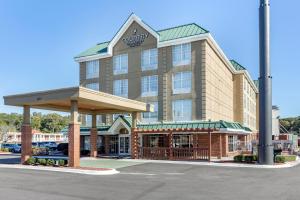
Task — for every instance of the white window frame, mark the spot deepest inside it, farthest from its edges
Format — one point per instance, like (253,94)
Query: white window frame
(118,67)
(125,87)
(182,60)
(92,69)
(92,86)
(182,90)
(149,84)
(151,116)
(146,56)
(183,110)
(232,143)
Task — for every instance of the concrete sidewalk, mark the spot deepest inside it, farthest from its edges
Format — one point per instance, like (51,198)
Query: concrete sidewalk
(62,169)
(219,164)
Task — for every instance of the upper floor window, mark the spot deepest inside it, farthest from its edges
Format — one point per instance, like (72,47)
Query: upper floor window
(151,116)
(120,64)
(93,86)
(149,59)
(92,69)
(182,82)
(149,85)
(88,120)
(121,88)
(181,54)
(182,110)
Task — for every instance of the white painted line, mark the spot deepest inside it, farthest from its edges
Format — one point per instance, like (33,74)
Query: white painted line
(57,169)
(137,173)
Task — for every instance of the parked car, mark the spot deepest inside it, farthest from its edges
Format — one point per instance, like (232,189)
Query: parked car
(63,148)
(15,148)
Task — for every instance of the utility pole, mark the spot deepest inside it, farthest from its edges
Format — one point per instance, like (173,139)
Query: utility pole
(265,152)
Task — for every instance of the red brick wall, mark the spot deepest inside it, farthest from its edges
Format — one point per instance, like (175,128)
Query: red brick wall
(93,140)
(26,138)
(74,145)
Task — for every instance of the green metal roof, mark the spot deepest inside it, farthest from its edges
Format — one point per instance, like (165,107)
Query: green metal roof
(87,129)
(237,65)
(182,31)
(98,49)
(193,125)
(172,125)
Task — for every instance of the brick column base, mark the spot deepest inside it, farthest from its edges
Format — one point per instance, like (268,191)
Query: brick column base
(170,141)
(93,141)
(134,144)
(74,145)
(26,140)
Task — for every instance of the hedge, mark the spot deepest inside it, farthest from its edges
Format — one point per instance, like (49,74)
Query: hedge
(283,158)
(48,162)
(245,158)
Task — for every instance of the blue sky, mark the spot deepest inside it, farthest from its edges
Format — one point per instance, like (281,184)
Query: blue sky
(38,39)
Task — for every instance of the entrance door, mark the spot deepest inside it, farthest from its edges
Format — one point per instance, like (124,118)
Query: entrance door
(124,144)
(113,145)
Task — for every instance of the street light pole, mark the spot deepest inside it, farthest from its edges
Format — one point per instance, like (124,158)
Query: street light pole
(265,153)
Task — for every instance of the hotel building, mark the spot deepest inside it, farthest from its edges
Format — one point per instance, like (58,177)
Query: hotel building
(204,104)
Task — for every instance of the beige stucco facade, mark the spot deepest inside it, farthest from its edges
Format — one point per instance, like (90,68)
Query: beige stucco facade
(217,90)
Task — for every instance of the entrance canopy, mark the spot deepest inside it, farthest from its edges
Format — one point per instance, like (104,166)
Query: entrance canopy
(89,101)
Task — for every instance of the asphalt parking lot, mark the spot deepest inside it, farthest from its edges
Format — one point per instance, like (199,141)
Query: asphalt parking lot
(153,181)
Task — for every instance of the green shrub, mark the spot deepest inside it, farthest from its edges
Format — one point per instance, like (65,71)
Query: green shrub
(279,159)
(31,161)
(4,149)
(239,158)
(50,162)
(41,161)
(283,159)
(245,158)
(61,162)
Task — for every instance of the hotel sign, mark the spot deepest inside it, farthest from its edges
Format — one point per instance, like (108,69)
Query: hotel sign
(135,39)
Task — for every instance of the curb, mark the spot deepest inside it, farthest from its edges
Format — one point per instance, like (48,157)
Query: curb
(66,170)
(257,166)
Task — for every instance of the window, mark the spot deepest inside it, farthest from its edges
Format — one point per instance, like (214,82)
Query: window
(149,59)
(93,86)
(182,82)
(88,120)
(121,88)
(181,54)
(92,69)
(156,141)
(120,64)
(182,110)
(232,143)
(182,141)
(151,116)
(149,85)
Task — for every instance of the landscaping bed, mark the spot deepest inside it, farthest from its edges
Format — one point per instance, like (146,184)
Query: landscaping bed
(279,159)
(46,162)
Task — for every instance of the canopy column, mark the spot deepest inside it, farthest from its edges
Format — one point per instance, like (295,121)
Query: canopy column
(209,145)
(170,141)
(94,135)
(26,135)
(74,136)
(134,137)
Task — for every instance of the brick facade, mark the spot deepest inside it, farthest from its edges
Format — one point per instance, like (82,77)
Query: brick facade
(26,138)
(74,145)
(93,141)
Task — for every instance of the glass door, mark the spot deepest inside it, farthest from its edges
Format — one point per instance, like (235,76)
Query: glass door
(124,144)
